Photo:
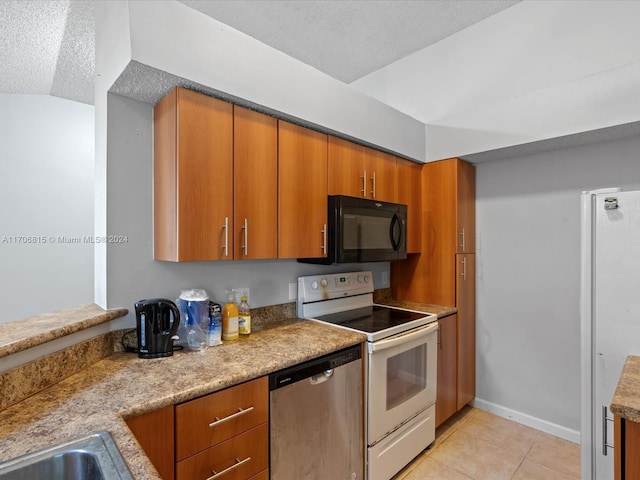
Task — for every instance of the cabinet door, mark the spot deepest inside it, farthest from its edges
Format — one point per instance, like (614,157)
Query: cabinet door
(466,304)
(383,176)
(255,185)
(626,449)
(302,192)
(409,194)
(154,432)
(346,168)
(447,360)
(193,177)
(466,198)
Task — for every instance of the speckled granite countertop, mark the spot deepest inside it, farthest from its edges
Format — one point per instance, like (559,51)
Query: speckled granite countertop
(440,310)
(33,331)
(384,297)
(122,385)
(626,399)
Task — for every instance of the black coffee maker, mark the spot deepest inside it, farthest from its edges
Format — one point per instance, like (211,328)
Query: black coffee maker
(157,324)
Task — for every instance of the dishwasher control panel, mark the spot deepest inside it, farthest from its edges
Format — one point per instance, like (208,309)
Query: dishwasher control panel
(308,369)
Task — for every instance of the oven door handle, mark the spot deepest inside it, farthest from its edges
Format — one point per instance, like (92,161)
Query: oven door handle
(403,338)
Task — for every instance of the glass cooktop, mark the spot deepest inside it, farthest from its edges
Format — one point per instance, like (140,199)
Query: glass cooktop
(371,319)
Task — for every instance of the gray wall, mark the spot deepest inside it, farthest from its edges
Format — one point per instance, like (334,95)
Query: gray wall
(47,164)
(528,244)
(132,274)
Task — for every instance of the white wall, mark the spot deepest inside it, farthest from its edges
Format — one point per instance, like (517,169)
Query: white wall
(46,163)
(528,244)
(132,274)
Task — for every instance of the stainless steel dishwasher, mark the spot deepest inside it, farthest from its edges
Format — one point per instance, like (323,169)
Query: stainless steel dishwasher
(316,419)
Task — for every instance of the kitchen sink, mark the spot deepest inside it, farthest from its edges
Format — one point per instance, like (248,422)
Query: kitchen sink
(92,457)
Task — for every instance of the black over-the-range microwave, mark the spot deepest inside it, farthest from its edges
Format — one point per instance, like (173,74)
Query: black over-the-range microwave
(362,230)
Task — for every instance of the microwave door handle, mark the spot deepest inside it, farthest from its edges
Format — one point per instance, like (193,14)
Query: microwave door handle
(395,222)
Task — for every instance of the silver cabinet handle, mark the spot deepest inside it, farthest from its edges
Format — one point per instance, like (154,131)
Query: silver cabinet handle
(364,184)
(245,229)
(225,227)
(229,469)
(373,185)
(464,268)
(324,239)
(241,411)
(462,244)
(605,444)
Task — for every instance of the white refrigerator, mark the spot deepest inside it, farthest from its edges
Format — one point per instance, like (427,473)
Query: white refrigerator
(610,315)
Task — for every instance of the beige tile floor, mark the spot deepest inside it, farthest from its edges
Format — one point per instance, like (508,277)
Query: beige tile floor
(476,445)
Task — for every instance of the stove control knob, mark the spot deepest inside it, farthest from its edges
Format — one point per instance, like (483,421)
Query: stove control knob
(366,279)
(314,285)
(324,282)
(361,278)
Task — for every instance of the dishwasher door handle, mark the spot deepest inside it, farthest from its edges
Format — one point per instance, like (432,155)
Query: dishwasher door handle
(321,377)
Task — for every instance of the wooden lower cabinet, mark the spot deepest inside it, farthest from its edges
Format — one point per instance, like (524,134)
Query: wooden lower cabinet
(154,432)
(447,375)
(240,458)
(626,449)
(466,305)
(225,431)
(263,475)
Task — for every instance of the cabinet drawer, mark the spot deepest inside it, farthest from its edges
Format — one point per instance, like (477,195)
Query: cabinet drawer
(242,457)
(212,419)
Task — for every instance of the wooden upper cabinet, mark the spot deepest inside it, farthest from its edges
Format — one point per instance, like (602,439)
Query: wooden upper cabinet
(383,176)
(410,194)
(193,177)
(302,192)
(359,171)
(255,197)
(346,168)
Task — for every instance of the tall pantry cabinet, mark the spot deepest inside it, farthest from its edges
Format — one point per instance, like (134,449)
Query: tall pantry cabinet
(444,273)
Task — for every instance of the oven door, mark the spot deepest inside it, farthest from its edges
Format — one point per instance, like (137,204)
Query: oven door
(401,379)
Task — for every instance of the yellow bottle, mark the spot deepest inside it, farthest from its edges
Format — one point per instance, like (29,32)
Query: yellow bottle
(244,316)
(230,319)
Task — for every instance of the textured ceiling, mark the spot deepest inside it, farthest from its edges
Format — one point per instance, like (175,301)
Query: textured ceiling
(48,46)
(349,39)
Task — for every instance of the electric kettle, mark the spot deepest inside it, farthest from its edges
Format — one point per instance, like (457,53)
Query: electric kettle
(157,324)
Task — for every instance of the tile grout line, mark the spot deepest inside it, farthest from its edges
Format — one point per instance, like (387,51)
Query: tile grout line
(525,455)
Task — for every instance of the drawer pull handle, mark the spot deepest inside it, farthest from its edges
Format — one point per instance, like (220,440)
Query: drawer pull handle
(227,470)
(241,411)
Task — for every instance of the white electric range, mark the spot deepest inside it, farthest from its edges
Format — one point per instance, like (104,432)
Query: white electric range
(401,365)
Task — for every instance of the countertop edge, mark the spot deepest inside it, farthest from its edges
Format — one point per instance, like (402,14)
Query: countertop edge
(626,399)
(19,335)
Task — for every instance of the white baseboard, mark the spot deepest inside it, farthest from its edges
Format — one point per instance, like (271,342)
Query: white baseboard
(528,420)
